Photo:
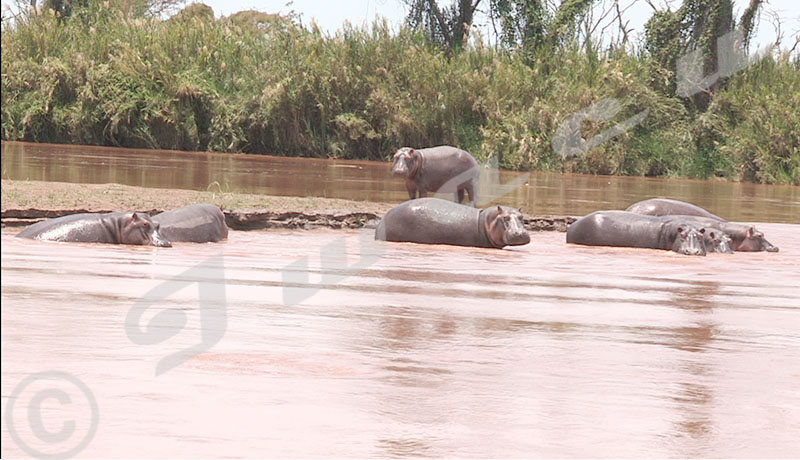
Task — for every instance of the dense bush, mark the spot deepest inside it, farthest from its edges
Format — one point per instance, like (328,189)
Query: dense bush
(260,83)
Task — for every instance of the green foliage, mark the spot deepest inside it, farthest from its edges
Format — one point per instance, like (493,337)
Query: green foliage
(264,84)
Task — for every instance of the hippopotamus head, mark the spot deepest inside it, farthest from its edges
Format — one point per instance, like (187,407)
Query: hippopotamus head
(716,241)
(140,229)
(504,227)
(689,241)
(751,240)
(406,162)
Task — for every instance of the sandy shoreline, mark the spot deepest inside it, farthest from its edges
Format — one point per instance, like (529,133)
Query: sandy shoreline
(26,202)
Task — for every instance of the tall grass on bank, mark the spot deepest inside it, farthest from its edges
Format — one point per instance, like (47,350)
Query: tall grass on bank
(263,84)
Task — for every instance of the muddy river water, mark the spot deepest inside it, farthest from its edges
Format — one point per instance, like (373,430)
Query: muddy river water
(329,344)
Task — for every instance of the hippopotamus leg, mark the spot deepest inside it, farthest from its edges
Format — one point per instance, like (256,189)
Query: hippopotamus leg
(116,227)
(437,169)
(196,223)
(437,221)
(627,229)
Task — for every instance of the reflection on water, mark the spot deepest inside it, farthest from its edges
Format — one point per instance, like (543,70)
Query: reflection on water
(544,350)
(543,193)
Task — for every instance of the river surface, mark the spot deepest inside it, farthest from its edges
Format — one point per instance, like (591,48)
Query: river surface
(329,344)
(536,193)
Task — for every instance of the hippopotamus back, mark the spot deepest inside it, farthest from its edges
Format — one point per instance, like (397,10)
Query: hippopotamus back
(196,223)
(668,207)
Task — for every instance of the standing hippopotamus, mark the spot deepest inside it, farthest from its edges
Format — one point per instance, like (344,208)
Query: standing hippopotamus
(627,229)
(438,169)
(667,207)
(744,238)
(196,223)
(113,227)
(437,221)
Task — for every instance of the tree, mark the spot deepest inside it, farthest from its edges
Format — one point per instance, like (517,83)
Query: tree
(696,26)
(447,27)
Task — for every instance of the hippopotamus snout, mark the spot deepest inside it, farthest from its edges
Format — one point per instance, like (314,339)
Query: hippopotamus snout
(139,228)
(690,242)
(157,239)
(716,241)
(516,234)
(400,166)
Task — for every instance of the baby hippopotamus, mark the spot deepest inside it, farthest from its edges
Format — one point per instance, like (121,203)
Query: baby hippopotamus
(437,169)
(627,229)
(113,227)
(437,221)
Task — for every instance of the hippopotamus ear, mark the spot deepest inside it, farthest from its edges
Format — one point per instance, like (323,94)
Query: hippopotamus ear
(750,231)
(134,217)
(703,231)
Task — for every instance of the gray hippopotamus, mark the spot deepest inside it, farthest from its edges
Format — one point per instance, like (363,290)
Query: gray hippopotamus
(196,223)
(113,227)
(717,241)
(437,169)
(744,238)
(437,221)
(668,207)
(627,229)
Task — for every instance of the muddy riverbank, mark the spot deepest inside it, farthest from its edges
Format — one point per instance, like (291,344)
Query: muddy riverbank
(27,202)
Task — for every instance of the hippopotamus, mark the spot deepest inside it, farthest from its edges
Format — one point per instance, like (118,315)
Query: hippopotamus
(114,227)
(667,207)
(437,221)
(744,238)
(627,229)
(196,223)
(437,169)
(717,241)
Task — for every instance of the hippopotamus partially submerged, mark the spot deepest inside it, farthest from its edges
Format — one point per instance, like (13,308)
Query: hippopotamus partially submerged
(437,169)
(113,227)
(744,238)
(668,207)
(627,229)
(717,241)
(196,223)
(437,221)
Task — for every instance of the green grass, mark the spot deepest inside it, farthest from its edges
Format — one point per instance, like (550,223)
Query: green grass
(263,84)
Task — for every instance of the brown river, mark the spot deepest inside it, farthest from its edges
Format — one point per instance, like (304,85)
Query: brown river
(327,343)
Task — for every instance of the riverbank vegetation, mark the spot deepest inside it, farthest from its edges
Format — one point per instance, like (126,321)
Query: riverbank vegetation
(260,83)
